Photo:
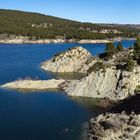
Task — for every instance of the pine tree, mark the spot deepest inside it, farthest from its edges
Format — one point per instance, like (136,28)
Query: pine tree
(110,49)
(137,49)
(119,47)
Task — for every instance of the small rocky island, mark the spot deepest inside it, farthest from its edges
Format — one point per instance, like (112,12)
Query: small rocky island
(114,75)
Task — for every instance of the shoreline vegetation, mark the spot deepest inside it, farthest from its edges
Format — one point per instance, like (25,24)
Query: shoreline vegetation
(27,40)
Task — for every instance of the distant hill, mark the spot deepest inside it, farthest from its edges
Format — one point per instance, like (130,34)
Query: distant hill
(38,26)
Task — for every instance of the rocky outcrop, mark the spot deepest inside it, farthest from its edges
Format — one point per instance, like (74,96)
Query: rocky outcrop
(118,126)
(76,59)
(107,81)
(34,84)
(111,83)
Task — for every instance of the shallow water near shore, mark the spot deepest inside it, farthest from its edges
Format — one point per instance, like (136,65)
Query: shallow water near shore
(45,115)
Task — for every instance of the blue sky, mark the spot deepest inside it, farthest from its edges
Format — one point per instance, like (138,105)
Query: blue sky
(96,11)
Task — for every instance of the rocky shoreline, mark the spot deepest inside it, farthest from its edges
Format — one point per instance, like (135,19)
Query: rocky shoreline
(121,122)
(104,79)
(27,40)
(119,126)
(105,82)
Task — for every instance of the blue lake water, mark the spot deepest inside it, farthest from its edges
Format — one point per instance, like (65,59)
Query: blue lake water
(41,115)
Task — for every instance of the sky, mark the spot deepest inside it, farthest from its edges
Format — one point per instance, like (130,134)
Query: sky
(95,11)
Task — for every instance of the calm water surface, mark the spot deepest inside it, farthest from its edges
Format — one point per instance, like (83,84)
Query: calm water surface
(41,115)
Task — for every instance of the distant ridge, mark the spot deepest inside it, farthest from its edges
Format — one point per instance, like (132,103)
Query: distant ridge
(36,25)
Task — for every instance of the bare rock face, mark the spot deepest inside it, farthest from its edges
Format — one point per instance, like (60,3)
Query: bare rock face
(118,126)
(73,60)
(111,83)
(96,85)
(128,83)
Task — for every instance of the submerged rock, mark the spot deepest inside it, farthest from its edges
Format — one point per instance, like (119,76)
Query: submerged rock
(118,126)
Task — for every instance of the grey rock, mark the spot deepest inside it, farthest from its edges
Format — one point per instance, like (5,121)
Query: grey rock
(114,127)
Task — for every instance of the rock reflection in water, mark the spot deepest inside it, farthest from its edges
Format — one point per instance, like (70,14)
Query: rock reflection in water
(98,105)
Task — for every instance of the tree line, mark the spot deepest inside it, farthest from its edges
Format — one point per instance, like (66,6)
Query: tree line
(21,23)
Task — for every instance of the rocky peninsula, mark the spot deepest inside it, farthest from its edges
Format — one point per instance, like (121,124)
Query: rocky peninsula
(107,81)
(105,78)
(35,84)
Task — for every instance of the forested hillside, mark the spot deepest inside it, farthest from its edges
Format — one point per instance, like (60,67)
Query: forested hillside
(38,26)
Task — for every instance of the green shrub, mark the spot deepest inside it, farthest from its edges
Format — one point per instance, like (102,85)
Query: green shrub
(119,47)
(126,63)
(96,67)
(137,88)
(110,49)
(137,50)
(130,65)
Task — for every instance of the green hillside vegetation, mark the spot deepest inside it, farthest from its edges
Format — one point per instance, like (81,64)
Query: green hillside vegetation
(38,26)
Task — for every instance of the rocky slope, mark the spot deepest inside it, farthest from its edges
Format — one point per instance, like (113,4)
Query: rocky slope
(73,60)
(111,83)
(122,122)
(118,126)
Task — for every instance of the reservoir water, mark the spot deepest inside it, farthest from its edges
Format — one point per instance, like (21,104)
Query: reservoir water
(46,115)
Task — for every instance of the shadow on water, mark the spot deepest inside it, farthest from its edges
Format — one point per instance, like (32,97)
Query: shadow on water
(28,91)
(93,105)
(129,105)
